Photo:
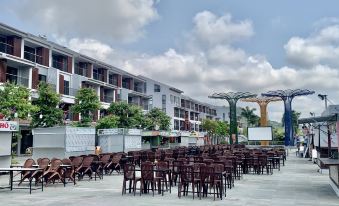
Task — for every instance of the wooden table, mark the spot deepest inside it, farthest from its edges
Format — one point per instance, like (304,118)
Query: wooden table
(18,169)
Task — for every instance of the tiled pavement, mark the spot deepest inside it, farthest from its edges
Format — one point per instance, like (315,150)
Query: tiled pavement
(298,183)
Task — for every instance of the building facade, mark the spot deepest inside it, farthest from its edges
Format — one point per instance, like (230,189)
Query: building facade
(186,113)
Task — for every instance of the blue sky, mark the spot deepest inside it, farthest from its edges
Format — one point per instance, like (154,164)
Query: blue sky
(201,46)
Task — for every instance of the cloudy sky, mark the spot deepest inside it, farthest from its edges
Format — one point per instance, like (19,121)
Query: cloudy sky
(201,46)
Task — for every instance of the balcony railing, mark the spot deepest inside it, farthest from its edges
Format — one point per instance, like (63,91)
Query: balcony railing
(60,65)
(33,57)
(113,81)
(14,79)
(80,70)
(98,76)
(138,89)
(108,99)
(70,91)
(6,48)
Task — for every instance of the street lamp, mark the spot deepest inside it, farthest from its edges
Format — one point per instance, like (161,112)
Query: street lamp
(323,97)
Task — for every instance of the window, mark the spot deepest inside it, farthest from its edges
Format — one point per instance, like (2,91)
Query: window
(176,124)
(164,103)
(29,53)
(176,112)
(172,99)
(156,88)
(66,87)
(12,75)
(96,74)
(42,78)
(111,79)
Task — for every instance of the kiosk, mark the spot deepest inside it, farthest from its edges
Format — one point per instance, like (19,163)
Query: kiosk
(119,140)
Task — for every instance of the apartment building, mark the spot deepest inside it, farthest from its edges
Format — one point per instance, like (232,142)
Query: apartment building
(185,112)
(26,60)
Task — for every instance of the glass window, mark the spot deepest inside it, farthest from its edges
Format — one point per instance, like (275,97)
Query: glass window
(66,87)
(42,78)
(156,88)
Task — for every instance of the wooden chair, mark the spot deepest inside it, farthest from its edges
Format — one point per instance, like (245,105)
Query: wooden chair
(129,175)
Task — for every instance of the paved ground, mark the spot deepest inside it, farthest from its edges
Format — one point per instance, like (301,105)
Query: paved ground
(298,183)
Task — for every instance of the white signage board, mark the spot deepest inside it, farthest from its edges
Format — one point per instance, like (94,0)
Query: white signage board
(11,126)
(259,133)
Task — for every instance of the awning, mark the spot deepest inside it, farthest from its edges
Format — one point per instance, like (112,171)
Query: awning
(330,118)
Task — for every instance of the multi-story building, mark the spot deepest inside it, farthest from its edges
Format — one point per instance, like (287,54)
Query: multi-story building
(26,60)
(186,113)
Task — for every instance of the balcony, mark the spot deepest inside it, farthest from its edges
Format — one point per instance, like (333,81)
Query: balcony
(14,79)
(138,89)
(6,48)
(97,76)
(33,57)
(80,70)
(60,65)
(107,99)
(70,91)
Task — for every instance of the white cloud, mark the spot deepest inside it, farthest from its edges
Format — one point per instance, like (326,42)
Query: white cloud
(114,21)
(217,66)
(213,30)
(320,48)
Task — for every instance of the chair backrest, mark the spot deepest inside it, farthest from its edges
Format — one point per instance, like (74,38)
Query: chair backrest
(129,171)
(186,173)
(43,163)
(196,169)
(55,165)
(104,159)
(116,158)
(28,163)
(87,161)
(147,173)
(76,162)
(151,156)
(66,161)
(206,173)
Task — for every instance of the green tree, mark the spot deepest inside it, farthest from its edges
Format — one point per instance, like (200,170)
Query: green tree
(107,122)
(86,103)
(130,116)
(248,114)
(15,99)
(222,128)
(156,117)
(278,134)
(49,114)
(210,126)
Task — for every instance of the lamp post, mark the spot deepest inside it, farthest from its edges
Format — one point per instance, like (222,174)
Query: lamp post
(232,99)
(323,97)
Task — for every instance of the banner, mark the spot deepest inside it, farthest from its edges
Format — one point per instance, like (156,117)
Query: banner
(10,126)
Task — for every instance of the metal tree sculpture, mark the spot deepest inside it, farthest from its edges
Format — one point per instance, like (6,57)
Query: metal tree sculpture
(263,102)
(287,96)
(232,98)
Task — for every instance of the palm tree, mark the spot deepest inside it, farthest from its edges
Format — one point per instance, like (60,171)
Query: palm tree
(248,114)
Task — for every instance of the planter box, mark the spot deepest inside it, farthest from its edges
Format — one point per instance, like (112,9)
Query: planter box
(62,142)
